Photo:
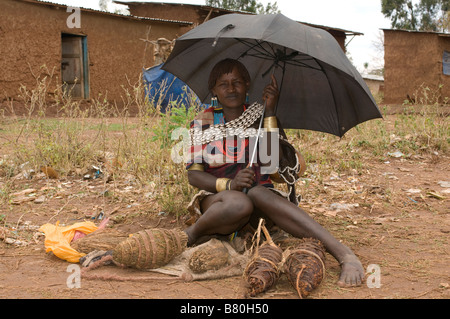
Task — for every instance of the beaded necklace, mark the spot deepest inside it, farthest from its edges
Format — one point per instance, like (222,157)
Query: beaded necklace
(218,115)
(240,127)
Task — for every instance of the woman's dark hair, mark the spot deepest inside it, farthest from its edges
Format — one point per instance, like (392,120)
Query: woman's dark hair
(224,67)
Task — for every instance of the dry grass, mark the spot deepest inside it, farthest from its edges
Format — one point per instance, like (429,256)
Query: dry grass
(140,146)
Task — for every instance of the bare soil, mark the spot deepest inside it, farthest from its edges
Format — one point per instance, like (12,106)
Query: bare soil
(397,217)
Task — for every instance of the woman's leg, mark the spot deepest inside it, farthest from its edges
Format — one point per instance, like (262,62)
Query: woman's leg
(298,223)
(223,213)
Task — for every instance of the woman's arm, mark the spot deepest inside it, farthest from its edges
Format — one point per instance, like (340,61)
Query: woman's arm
(202,180)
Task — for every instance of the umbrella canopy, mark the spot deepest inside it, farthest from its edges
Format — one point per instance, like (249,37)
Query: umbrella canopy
(320,89)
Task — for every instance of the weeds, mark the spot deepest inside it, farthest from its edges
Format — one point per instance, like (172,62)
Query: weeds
(173,119)
(81,136)
(420,130)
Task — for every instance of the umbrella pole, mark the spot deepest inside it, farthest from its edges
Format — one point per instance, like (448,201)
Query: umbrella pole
(245,190)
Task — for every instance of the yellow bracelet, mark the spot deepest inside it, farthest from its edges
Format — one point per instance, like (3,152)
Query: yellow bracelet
(196,167)
(221,184)
(270,123)
(229,184)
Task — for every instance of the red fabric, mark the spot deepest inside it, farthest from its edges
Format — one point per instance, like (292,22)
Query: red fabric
(231,154)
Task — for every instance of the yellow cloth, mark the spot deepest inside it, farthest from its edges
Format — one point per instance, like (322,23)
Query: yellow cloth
(58,238)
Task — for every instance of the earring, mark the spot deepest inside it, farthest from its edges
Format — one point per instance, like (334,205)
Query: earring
(247,98)
(214,102)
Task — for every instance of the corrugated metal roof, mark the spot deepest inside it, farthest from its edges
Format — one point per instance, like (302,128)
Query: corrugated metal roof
(443,34)
(181,4)
(347,32)
(373,77)
(127,16)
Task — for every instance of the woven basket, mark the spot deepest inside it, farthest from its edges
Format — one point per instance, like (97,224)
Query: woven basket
(102,239)
(150,249)
(305,265)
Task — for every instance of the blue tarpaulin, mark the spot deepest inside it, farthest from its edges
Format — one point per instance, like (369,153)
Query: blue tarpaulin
(446,63)
(164,89)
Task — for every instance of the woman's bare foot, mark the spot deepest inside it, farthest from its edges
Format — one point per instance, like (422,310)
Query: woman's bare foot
(352,272)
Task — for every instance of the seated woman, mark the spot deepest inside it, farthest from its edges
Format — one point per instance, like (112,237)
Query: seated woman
(224,207)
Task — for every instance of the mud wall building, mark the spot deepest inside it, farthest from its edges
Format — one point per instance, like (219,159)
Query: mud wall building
(93,51)
(375,83)
(414,61)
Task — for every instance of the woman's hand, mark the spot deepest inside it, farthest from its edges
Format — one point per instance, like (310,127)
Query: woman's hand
(270,96)
(244,179)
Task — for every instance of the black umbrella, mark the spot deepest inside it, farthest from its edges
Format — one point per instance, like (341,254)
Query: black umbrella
(320,89)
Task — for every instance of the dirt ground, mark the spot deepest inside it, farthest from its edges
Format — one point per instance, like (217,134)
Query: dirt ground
(407,237)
